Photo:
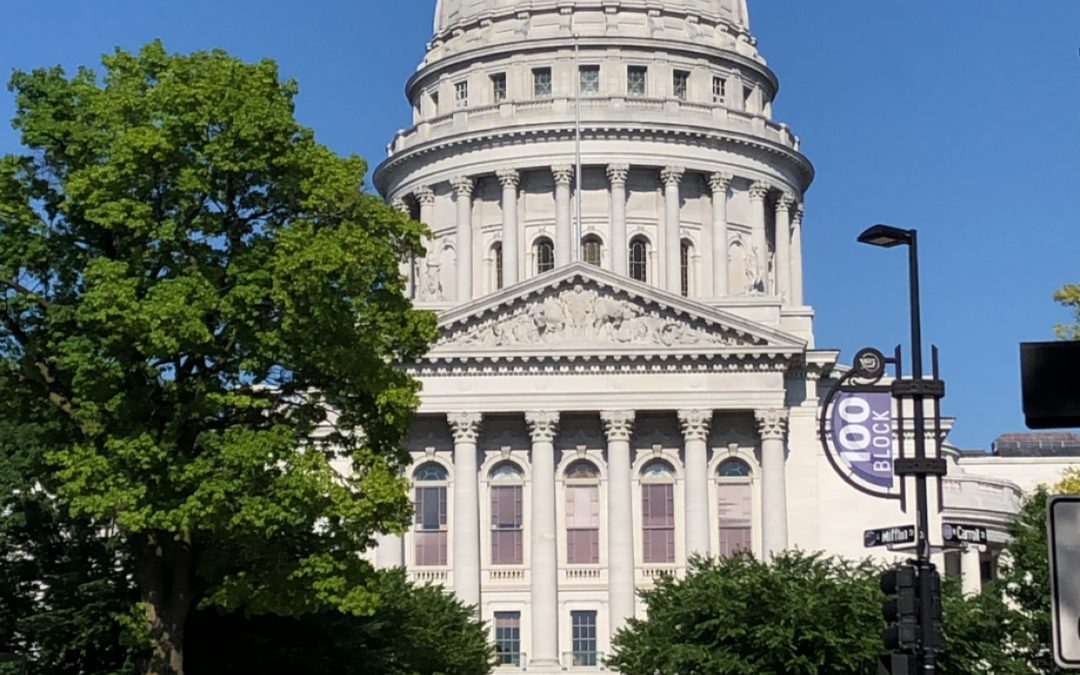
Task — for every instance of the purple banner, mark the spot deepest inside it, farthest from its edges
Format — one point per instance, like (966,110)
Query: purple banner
(862,435)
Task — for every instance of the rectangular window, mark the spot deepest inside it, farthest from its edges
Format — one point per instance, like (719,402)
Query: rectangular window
(680,83)
(461,94)
(734,517)
(658,523)
(582,525)
(748,95)
(719,89)
(434,103)
(583,637)
(430,526)
(589,80)
(636,80)
(541,82)
(508,638)
(498,87)
(507,525)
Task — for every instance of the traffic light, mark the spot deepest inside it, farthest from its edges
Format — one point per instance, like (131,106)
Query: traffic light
(901,608)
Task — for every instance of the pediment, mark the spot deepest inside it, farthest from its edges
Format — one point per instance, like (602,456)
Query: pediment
(580,310)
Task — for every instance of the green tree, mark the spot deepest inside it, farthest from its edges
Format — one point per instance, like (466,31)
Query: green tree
(738,615)
(192,284)
(416,630)
(1069,296)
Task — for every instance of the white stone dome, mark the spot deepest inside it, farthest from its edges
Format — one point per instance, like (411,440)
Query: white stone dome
(453,13)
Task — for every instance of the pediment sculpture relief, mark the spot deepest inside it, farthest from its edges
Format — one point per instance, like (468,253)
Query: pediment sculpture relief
(581,316)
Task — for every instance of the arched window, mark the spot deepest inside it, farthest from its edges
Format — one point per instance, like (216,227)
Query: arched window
(497,265)
(430,515)
(507,515)
(686,251)
(735,511)
(544,251)
(639,259)
(591,249)
(658,512)
(582,514)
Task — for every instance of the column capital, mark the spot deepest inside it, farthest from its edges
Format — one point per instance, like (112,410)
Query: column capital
(772,424)
(563,174)
(695,424)
(618,424)
(759,191)
(617,173)
(543,425)
(785,202)
(463,185)
(399,204)
(720,182)
(672,175)
(425,195)
(465,426)
(798,213)
(509,178)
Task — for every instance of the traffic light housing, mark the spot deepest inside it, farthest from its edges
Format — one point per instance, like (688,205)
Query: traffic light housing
(901,608)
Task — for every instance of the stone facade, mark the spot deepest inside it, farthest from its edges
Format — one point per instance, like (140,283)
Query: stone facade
(626,374)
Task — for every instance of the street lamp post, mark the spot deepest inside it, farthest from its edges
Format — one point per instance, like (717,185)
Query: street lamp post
(920,467)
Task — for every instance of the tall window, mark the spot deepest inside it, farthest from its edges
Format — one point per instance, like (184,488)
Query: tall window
(461,94)
(639,259)
(685,252)
(498,87)
(497,265)
(591,249)
(748,95)
(658,512)
(544,251)
(680,84)
(589,80)
(719,89)
(733,488)
(434,102)
(508,638)
(541,82)
(430,518)
(507,515)
(636,80)
(583,637)
(582,514)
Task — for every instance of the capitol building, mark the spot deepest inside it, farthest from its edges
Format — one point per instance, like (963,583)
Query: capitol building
(626,373)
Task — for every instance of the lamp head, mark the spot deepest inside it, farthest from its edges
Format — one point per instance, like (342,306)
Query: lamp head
(885,236)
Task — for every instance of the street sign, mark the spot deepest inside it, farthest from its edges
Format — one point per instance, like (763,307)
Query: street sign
(1064,537)
(889,536)
(955,533)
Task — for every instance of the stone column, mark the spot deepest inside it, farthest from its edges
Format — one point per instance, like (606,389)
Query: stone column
(465,529)
(796,256)
(407,266)
(784,206)
(672,179)
(720,183)
(564,237)
(759,194)
(463,189)
(388,551)
(509,178)
(772,426)
(970,571)
(618,425)
(544,563)
(695,427)
(617,174)
(427,266)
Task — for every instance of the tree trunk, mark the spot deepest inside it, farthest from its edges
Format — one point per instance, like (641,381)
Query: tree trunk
(164,568)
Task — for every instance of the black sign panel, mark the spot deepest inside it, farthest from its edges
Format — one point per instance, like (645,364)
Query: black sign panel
(889,536)
(954,533)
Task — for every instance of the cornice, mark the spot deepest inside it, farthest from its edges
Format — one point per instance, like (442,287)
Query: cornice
(689,135)
(516,365)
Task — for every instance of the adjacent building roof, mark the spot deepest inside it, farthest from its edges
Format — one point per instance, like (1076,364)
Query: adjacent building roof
(1037,444)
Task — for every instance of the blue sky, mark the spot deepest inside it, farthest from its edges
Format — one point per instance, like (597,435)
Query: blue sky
(959,118)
